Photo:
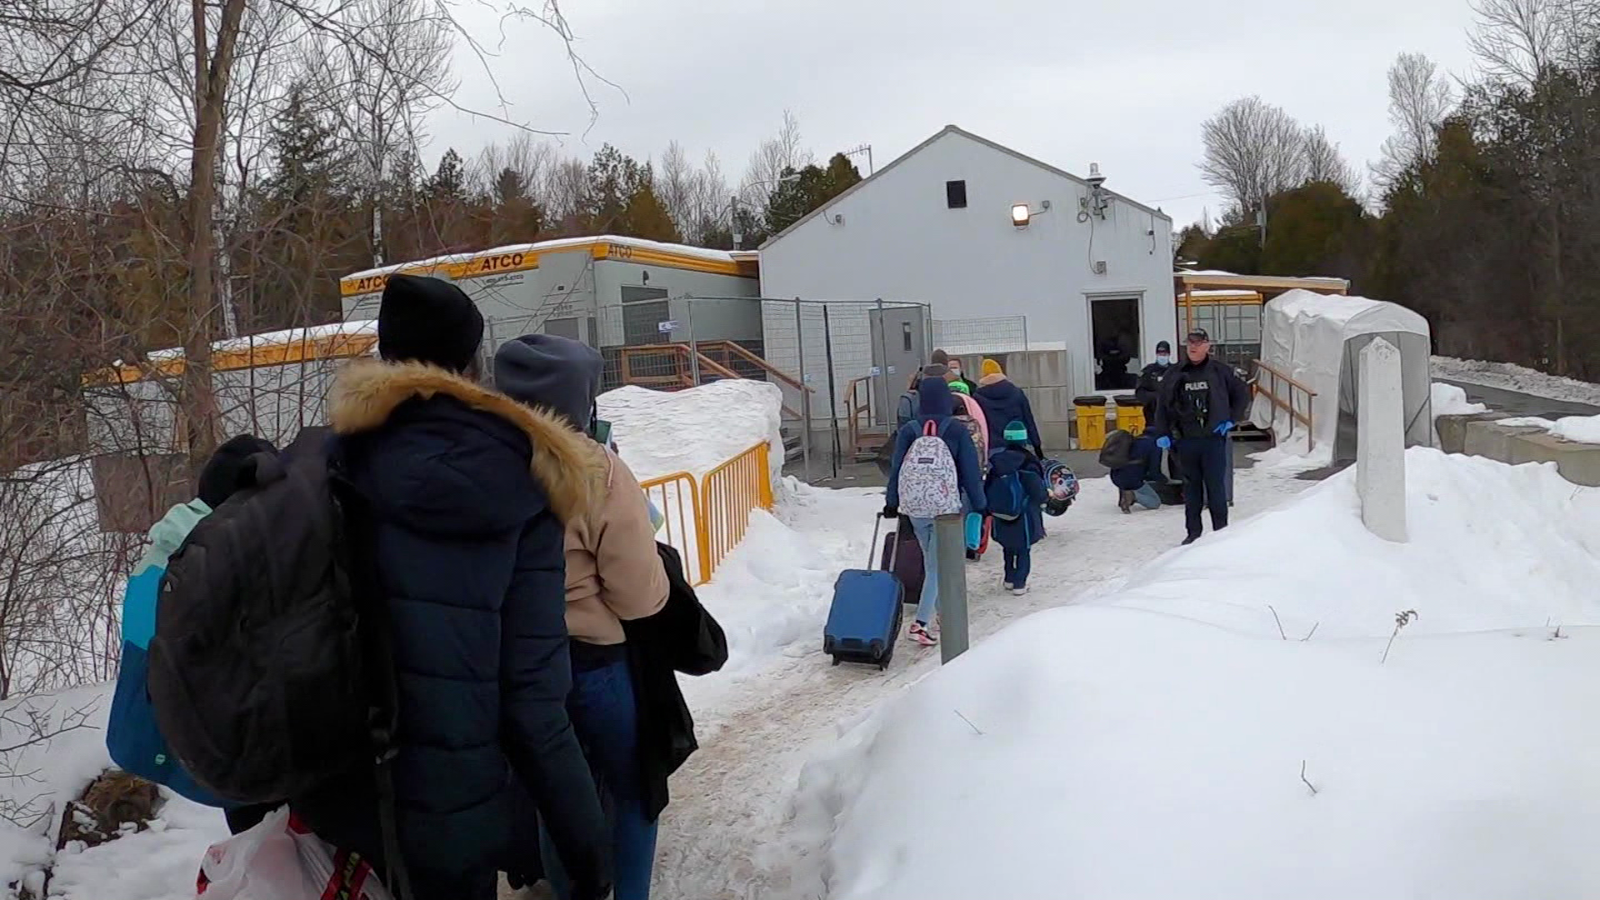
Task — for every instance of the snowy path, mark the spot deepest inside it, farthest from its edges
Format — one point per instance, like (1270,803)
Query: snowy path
(725,834)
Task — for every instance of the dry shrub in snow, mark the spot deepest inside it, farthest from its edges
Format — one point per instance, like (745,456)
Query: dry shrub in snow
(61,581)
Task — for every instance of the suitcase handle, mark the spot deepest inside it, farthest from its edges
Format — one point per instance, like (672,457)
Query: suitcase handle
(872,548)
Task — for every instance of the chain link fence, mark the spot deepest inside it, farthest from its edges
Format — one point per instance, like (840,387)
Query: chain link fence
(999,334)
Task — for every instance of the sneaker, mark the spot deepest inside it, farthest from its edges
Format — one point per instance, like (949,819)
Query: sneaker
(919,634)
(1009,585)
(933,630)
(1190,539)
(1019,590)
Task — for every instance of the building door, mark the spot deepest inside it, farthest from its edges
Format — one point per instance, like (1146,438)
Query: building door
(899,347)
(643,311)
(1117,342)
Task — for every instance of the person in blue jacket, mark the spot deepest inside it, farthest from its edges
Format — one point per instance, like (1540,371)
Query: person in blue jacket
(465,492)
(1003,402)
(1133,480)
(1016,477)
(132,736)
(935,404)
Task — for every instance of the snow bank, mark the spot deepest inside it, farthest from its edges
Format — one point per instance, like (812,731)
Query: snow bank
(158,864)
(1152,745)
(1583,429)
(696,430)
(1492,546)
(1516,378)
(1449,400)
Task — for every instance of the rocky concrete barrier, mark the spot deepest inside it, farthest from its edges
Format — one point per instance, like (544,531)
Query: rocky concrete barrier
(1483,435)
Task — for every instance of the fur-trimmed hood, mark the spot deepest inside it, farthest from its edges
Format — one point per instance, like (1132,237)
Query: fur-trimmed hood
(570,467)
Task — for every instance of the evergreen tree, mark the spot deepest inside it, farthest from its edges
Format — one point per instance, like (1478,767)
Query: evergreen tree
(307,154)
(1311,229)
(613,178)
(799,193)
(645,216)
(516,217)
(449,180)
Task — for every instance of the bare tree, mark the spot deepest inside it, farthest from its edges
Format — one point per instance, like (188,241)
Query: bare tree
(1516,40)
(1324,162)
(783,150)
(675,184)
(1419,99)
(1252,151)
(392,77)
(696,198)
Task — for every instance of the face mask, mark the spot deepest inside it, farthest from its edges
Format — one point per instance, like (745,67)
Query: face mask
(1163,360)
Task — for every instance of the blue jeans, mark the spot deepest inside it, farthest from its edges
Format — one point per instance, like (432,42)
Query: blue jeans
(1018,564)
(929,605)
(605,716)
(1147,497)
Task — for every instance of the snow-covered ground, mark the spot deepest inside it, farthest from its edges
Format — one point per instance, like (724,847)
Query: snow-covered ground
(1511,377)
(1173,739)
(157,864)
(778,704)
(729,832)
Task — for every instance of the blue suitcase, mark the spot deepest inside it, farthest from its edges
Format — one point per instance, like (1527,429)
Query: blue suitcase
(864,619)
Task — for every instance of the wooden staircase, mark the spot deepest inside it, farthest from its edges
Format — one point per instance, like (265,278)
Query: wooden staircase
(671,367)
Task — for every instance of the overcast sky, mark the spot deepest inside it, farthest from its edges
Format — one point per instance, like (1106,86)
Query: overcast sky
(1124,84)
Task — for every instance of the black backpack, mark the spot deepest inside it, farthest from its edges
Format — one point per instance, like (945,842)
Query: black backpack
(1117,451)
(267,676)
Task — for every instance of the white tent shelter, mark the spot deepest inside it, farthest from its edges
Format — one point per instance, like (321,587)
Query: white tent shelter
(1316,340)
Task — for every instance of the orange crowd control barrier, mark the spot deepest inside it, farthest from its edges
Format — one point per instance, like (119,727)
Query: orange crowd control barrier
(705,520)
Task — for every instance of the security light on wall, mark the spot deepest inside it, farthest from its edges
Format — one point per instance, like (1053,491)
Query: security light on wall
(1022,214)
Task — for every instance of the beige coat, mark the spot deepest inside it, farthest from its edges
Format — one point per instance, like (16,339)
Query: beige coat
(613,570)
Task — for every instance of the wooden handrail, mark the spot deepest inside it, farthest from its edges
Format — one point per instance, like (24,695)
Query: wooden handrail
(1260,364)
(1295,415)
(682,375)
(744,352)
(853,412)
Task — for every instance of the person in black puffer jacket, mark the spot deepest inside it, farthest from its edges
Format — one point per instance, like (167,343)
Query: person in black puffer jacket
(467,491)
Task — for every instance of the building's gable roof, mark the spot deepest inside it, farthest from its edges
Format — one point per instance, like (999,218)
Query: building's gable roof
(949,130)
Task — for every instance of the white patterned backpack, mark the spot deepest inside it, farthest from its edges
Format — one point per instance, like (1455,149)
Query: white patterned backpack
(928,483)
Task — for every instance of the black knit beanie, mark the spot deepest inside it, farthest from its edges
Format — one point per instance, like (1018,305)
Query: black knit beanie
(225,470)
(428,320)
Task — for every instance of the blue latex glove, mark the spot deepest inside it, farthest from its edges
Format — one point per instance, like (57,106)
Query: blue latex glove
(1164,442)
(1224,428)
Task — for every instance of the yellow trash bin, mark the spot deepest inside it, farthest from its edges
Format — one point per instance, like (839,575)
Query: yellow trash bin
(1130,414)
(1091,421)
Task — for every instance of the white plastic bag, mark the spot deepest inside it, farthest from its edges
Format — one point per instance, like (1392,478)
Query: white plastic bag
(280,859)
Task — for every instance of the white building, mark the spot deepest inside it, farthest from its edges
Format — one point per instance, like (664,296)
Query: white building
(1079,267)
